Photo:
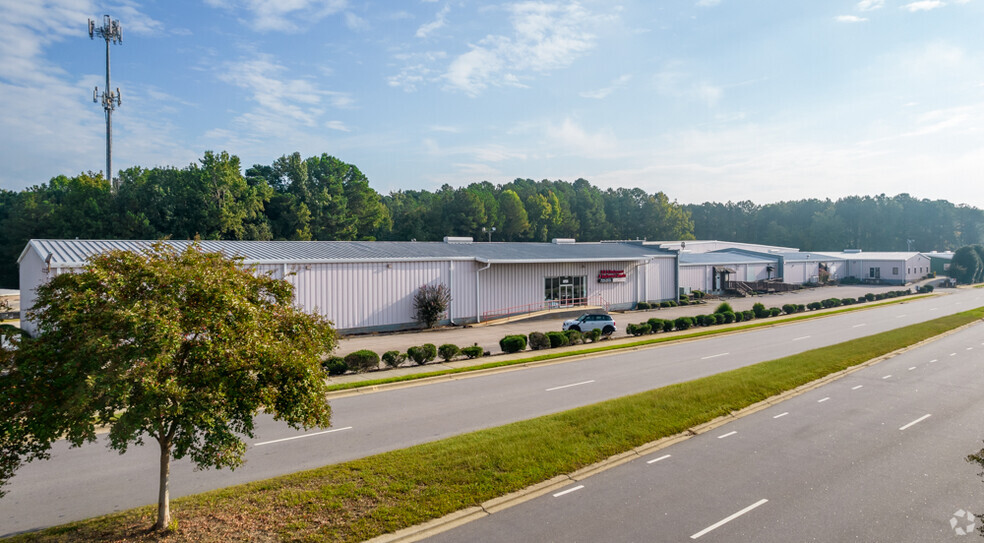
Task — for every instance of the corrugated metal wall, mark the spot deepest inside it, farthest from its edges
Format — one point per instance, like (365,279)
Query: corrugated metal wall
(696,277)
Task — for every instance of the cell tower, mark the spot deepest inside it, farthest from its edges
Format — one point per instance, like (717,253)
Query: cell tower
(111,31)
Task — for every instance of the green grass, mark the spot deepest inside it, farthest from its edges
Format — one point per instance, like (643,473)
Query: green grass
(357,500)
(771,321)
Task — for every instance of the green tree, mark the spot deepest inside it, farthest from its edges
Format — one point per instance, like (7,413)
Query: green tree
(183,347)
(966,264)
(515,222)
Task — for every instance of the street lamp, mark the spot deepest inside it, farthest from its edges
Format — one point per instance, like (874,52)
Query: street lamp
(489,231)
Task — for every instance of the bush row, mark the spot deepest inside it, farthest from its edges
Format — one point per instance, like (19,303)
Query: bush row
(366,360)
(546,340)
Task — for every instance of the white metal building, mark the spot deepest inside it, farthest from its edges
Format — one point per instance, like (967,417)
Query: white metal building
(366,286)
(883,267)
(709,271)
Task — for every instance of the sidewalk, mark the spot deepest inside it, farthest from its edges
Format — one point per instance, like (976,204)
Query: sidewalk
(488,336)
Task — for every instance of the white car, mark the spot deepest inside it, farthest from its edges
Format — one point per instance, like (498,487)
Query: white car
(592,321)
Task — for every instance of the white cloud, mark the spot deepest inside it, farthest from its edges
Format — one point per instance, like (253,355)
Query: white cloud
(439,21)
(674,80)
(923,5)
(707,3)
(569,138)
(605,91)
(281,15)
(356,23)
(545,37)
(850,19)
(870,5)
(337,125)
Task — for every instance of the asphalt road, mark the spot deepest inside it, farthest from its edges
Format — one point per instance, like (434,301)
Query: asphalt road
(91,480)
(875,456)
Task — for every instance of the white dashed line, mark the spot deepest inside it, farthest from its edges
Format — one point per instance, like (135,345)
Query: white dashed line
(724,521)
(781,415)
(801,337)
(887,376)
(727,434)
(570,385)
(568,491)
(933,308)
(933,360)
(821,400)
(302,436)
(715,356)
(859,325)
(912,368)
(857,387)
(953,354)
(920,419)
(664,457)
(899,316)
(970,348)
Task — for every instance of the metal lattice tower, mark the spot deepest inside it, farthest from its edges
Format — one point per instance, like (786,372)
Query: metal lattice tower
(111,31)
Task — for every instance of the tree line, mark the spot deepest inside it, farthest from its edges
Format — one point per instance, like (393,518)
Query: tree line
(324,198)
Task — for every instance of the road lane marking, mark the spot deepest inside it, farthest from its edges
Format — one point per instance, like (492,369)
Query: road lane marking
(302,436)
(933,308)
(570,385)
(801,337)
(781,415)
(887,376)
(953,354)
(920,419)
(568,491)
(933,360)
(899,316)
(970,348)
(912,368)
(857,387)
(715,356)
(664,457)
(821,400)
(724,521)
(728,434)
(860,325)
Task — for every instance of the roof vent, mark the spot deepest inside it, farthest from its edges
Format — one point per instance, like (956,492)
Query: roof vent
(563,241)
(454,239)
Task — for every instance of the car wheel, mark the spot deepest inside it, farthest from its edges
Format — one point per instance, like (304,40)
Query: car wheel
(575,328)
(608,330)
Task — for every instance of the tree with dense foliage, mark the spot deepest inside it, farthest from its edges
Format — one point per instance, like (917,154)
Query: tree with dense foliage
(179,346)
(430,302)
(966,265)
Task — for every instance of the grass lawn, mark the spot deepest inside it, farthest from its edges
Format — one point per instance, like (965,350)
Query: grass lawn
(357,500)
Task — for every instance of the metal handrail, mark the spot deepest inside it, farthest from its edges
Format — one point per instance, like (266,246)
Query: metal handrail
(546,305)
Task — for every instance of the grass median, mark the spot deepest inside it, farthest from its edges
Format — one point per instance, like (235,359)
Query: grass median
(357,500)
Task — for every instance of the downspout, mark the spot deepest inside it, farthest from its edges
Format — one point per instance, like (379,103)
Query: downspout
(451,288)
(478,292)
(676,279)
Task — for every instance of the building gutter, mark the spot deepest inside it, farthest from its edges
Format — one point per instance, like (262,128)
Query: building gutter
(478,292)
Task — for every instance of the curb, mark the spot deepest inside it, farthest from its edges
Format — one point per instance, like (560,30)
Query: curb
(464,516)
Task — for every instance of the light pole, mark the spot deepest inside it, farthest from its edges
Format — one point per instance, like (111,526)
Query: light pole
(489,232)
(111,31)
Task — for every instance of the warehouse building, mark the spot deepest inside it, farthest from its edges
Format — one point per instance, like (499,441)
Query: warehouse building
(888,268)
(369,286)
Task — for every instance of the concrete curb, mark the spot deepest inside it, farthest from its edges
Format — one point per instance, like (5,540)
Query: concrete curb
(464,516)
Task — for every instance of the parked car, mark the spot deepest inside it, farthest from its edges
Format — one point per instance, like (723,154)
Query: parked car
(592,321)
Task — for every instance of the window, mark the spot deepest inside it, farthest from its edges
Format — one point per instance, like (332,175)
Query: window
(874,273)
(895,270)
(567,290)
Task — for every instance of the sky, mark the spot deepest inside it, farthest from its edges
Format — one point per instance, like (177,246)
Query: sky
(705,100)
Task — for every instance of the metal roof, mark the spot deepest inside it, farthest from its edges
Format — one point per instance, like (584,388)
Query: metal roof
(807,257)
(872,255)
(68,253)
(722,258)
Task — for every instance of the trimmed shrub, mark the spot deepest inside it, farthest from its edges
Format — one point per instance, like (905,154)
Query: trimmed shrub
(926,288)
(448,351)
(697,294)
(639,329)
(813,306)
(681,302)
(748,314)
(655,325)
(847,301)
(861,300)
(775,311)
(724,307)
(472,352)
(739,316)
(719,318)
(668,325)
(512,344)
(643,305)
(430,351)
(831,302)
(538,340)
(557,339)
(789,309)
(593,335)
(684,298)
(574,337)
(362,361)
(683,323)
(417,354)
(800,308)
(869,296)
(393,359)
(671,303)
(760,311)
(729,316)
(335,365)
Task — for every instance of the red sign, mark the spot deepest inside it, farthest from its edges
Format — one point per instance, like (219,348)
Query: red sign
(611,276)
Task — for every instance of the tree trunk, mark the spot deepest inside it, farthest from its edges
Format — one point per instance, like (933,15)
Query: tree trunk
(163,497)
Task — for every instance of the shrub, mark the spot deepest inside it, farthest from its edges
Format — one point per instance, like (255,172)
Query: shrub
(472,352)
(557,339)
(335,365)
(394,358)
(697,294)
(538,340)
(362,361)
(739,316)
(594,335)
(574,337)
(748,315)
(664,304)
(448,351)
(683,323)
(724,307)
(789,309)
(655,325)
(800,308)
(861,299)
(638,329)
(831,302)
(719,318)
(684,298)
(512,344)
(813,306)
(668,325)
(671,303)
(869,296)
(643,305)
(417,354)
(926,288)
(430,302)
(430,351)
(760,311)
(775,311)
(729,317)
(847,301)
(681,302)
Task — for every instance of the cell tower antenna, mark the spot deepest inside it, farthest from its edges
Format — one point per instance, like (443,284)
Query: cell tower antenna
(111,31)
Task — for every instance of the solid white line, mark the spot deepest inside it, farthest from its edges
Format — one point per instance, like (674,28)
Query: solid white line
(302,436)
(664,457)
(857,387)
(912,368)
(799,338)
(821,400)
(715,356)
(887,376)
(860,325)
(728,434)
(724,521)
(568,491)
(781,415)
(920,419)
(570,385)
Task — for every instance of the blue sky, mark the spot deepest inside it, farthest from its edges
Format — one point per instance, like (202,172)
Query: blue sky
(716,100)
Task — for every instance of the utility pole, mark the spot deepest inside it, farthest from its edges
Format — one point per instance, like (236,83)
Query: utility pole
(111,31)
